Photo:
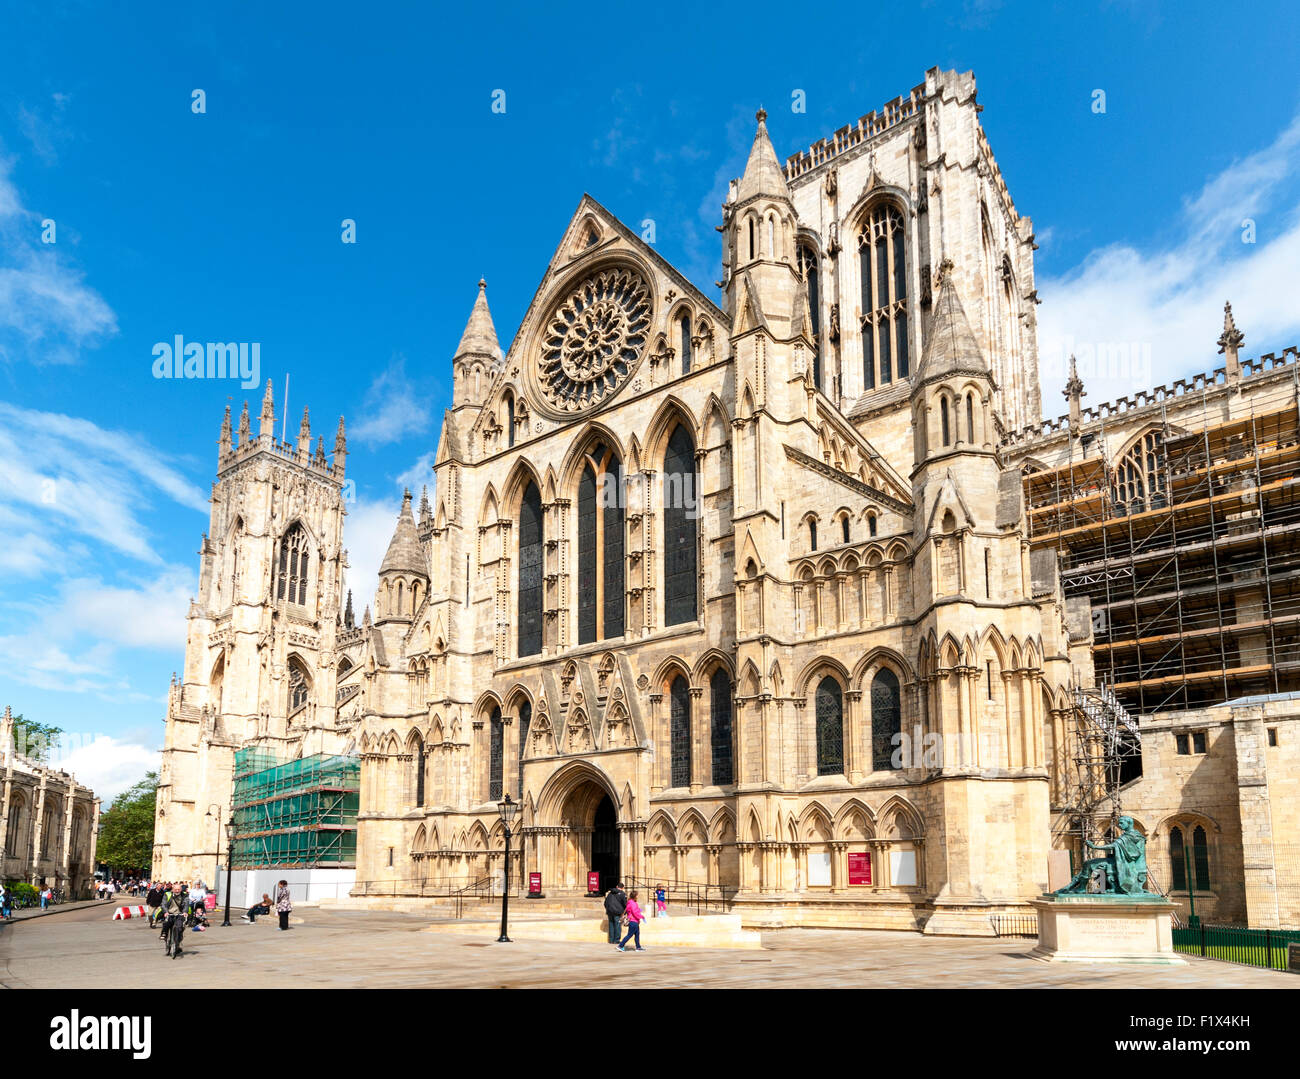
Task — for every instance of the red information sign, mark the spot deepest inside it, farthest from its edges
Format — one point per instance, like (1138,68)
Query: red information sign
(859,867)
(593,882)
(534,884)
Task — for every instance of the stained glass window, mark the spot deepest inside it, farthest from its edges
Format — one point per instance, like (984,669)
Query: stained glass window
(679,701)
(291,583)
(496,755)
(883,268)
(530,572)
(601,588)
(1201,859)
(830,728)
(720,709)
(1177,861)
(680,512)
(886,718)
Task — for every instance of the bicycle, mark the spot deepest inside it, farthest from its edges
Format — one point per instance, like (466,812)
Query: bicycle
(174,931)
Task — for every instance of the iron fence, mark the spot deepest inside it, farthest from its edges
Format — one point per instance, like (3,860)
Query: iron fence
(1014,925)
(1266,948)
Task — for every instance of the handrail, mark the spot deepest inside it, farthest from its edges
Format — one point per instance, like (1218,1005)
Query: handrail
(697,894)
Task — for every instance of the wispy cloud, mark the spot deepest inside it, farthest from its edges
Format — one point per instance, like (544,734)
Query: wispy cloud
(393,408)
(1142,316)
(107,765)
(48,313)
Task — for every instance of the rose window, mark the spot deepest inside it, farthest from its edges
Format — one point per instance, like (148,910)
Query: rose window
(594,339)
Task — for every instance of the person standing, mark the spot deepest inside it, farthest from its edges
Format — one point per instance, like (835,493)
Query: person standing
(661,902)
(634,917)
(283,903)
(6,903)
(615,905)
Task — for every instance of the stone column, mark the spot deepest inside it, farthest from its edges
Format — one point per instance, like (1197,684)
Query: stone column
(38,833)
(857,757)
(699,742)
(661,770)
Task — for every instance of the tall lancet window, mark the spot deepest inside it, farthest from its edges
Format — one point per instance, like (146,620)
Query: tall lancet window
(720,733)
(681,511)
(886,718)
(679,734)
(496,755)
(883,268)
(807,258)
(525,721)
(684,325)
(530,572)
(601,595)
(830,727)
(510,419)
(291,573)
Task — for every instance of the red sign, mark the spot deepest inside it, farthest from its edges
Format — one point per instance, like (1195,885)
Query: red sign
(859,867)
(593,882)
(534,884)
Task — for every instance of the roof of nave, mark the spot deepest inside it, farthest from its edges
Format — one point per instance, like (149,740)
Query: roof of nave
(405,553)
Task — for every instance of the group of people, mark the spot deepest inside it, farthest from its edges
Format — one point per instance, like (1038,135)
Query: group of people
(110,887)
(624,912)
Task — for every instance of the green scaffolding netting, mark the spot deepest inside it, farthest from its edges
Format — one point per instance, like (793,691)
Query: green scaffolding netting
(302,812)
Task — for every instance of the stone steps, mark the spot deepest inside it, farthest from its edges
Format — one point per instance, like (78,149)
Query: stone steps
(691,931)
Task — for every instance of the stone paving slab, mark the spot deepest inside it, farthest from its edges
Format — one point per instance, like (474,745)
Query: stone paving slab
(341,950)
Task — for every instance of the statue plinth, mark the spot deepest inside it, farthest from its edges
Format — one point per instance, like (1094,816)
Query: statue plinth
(1105,928)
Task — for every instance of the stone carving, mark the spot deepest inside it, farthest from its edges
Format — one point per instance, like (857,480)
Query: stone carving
(594,339)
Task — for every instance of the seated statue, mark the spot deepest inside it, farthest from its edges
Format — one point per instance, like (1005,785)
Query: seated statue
(1122,872)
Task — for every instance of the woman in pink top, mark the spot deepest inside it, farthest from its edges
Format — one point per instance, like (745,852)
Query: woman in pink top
(634,917)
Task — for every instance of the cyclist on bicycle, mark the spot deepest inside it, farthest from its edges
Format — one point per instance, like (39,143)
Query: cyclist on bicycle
(174,907)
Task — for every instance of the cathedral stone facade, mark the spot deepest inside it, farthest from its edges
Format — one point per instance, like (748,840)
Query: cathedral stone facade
(733,594)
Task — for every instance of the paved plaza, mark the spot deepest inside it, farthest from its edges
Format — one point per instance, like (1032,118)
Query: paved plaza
(348,949)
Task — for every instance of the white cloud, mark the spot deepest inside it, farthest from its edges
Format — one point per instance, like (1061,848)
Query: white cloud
(107,765)
(393,408)
(47,311)
(69,475)
(1143,317)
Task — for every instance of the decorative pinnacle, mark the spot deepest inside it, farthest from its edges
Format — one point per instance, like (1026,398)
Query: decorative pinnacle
(761,115)
(340,439)
(1231,338)
(1074,384)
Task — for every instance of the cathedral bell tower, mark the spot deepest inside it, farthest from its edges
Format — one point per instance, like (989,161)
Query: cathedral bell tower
(261,645)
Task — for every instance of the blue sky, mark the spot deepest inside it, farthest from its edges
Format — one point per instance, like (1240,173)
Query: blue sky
(226,225)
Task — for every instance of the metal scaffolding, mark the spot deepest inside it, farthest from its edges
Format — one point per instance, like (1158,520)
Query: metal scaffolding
(302,813)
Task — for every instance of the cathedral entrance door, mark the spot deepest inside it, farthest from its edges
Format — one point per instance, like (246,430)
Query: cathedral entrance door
(604,844)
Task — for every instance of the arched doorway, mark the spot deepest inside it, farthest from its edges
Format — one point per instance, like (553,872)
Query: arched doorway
(604,844)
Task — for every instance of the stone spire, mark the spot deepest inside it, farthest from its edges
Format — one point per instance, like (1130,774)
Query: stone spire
(405,555)
(480,336)
(763,173)
(1229,342)
(225,433)
(950,344)
(266,425)
(304,434)
(424,504)
(340,450)
(244,431)
(1074,394)
(349,619)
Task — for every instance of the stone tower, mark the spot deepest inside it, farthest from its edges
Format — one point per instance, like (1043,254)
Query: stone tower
(261,651)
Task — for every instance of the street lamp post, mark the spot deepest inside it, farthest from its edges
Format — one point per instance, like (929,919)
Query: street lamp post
(230,857)
(507,809)
(216,866)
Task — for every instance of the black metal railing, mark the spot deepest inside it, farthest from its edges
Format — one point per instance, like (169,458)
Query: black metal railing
(691,895)
(1014,925)
(1266,948)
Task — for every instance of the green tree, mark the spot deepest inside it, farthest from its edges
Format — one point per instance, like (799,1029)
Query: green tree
(126,827)
(35,741)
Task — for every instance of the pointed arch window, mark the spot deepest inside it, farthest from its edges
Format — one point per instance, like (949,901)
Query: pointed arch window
(807,262)
(510,419)
(525,721)
(530,571)
(1177,861)
(830,728)
(751,237)
(886,718)
(812,534)
(944,423)
(601,566)
(680,517)
(496,755)
(1137,475)
(970,418)
(1201,859)
(679,734)
(883,270)
(844,527)
(684,325)
(419,773)
(720,728)
(299,686)
(291,575)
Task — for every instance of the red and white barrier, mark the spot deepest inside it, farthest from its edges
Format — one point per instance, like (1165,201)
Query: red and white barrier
(129,912)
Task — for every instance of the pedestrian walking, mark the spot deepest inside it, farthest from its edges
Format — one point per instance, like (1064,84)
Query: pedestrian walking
(6,903)
(634,917)
(283,903)
(615,905)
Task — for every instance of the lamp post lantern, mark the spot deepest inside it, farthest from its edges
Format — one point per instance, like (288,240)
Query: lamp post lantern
(507,809)
(230,857)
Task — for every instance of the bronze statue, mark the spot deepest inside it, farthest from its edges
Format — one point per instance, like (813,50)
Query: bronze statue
(1123,872)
